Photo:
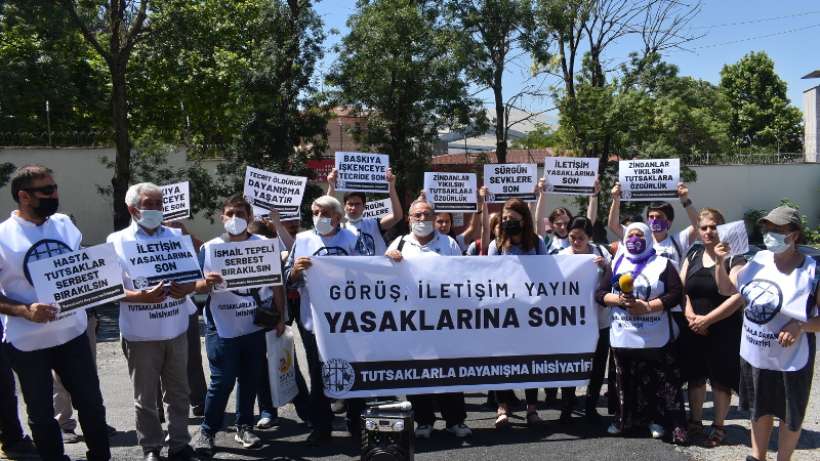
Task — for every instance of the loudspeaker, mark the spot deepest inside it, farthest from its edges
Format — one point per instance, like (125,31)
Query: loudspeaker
(387,433)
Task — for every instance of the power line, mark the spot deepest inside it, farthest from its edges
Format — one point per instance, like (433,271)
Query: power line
(756,21)
(757,37)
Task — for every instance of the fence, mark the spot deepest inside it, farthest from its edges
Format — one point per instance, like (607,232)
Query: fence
(740,158)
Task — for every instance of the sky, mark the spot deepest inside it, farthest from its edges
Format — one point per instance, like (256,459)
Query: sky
(787,30)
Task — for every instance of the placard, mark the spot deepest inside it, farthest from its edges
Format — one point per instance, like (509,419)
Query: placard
(513,180)
(247,264)
(377,208)
(79,279)
(164,260)
(734,235)
(648,180)
(176,201)
(570,175)
(274,191)
(453,192)
(361,172)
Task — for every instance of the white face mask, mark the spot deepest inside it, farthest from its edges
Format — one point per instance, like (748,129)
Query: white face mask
(353,220)
(150,219)
(775,242)
(422,228)
(235,225)
(323,225)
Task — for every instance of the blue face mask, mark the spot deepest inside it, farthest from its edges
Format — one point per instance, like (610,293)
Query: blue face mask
(775,242)
(150,219)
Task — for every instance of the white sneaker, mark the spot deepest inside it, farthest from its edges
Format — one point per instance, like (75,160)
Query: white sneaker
(460,430)
(656,430)
(424,431)
(337,406)
(265,423)
(613,429)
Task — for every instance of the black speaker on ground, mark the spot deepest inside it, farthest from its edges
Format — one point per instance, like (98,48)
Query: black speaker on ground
(387,432)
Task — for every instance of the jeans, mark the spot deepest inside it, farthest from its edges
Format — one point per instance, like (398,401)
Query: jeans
(75,366)
(232,360)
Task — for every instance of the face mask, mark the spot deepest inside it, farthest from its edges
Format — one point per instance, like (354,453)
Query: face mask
(658,225)
(775,242)
(422,228)
(47,207)
(150,219)
(512,227)
(322,225)
(635,245)
(354,220)
(235,225)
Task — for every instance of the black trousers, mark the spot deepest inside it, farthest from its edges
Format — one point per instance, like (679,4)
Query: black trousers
(196,375)
(508,396)
(451,406)
(11,431)
(599,366)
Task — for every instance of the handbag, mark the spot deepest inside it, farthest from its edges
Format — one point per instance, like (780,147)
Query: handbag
(265,315)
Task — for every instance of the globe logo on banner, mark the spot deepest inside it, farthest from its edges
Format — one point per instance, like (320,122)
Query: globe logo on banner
(44,249)
(365,245)
(330,251)
(763,300)
(141,283)
(338,376)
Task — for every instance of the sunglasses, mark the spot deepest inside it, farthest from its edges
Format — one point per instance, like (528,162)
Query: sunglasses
(46,190)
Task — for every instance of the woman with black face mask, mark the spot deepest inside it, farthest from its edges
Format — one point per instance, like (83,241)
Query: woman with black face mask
(516,237)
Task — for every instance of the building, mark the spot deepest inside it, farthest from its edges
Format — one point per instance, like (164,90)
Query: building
(811,116)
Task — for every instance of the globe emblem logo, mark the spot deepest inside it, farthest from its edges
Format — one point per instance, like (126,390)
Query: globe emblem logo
(338,376)
(44,249)
(141,283)
(763,300)
(365,245)
(642,288)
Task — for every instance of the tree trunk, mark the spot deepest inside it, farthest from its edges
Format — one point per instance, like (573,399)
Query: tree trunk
(500,123)
(122,163)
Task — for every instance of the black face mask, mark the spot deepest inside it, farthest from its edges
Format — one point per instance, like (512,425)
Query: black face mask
(47,207)
(512,227)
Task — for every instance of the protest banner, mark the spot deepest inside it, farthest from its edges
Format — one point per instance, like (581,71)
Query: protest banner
(526,322)
(648,180)
(451,192)
(361,172)
(79,279)
(377,208)
(506,181)
(247,264)
(163,260)
(570,176)
(734,235)
(176,201)
(274,191)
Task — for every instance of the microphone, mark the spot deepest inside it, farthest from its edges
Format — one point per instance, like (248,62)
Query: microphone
(625,282)
(400,406)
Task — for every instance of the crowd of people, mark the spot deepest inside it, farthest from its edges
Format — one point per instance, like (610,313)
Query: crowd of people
(673,314)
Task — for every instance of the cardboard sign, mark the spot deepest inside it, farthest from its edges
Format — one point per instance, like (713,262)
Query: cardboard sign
(453,192)
(570,175)
(377,208)
(248,264)
(648,180)
(734,234)
(274,191)
(515,180)
(361,172)
(176,201)
(163,260)
(80,279)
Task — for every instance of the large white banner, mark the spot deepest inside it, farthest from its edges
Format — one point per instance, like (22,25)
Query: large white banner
(647,180)
(451,192)
(176,201)
(514,180)
(247,264)
(361,172)
(570,175)
(273,191)
(447,324)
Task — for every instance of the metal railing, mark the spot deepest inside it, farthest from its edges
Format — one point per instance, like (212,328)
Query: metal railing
(93,138)
(774,158)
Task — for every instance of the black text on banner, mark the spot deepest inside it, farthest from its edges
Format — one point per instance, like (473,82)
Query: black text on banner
(273,191)
(647,180)
(570,175)
(176,201)
(451,192)
(361,172)
(514,180)
(162,260)
(248,264)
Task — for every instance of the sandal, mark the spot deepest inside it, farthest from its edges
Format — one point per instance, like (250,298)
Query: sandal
(716,436)
(502,419)
(533,418)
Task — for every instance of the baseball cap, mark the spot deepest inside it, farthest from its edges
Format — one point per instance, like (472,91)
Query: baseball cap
(781,216)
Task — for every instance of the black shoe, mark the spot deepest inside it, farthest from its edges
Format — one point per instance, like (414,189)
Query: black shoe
(566,417)
(751,458)
(186,454)
(152,456)
(111,430)
(71,436)
(592,416)
(198,410)
(319,438)
(21,449)
(203,444)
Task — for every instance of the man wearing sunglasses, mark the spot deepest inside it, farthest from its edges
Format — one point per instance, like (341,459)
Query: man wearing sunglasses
(39,338)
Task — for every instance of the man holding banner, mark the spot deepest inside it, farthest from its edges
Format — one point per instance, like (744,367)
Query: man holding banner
(160,273)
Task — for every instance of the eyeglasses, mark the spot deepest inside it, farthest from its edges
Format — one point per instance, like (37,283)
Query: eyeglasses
(422,216)
(46,190)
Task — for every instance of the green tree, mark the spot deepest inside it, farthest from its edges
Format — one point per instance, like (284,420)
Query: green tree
(541,137)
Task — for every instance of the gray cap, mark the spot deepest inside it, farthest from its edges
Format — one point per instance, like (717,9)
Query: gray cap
(781,216)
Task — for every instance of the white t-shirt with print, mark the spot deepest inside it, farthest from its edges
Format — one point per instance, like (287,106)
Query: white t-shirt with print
(441,244)
(370,241)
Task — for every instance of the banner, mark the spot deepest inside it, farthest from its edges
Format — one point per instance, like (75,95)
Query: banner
(176,201)
(647,180)
(452,192)
(377,208)
(734,235)
(517,180)
(274,191)
(247,264)
(79,279)
(431,324)
(162,260)
(361,172)
(570,175)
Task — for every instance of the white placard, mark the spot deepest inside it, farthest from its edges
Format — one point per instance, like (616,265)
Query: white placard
(513,180)
(247,264)
(176,201)
(266,190)
(734,235)
(647,180)
(570,175)
(453,192)
(361,172)
(163,260)
(79,279)
(377,208)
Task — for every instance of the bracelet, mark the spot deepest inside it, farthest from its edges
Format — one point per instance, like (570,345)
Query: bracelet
(686,203)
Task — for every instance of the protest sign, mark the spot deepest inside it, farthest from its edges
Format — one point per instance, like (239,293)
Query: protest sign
(570,176)
(361,172)
(516,180)
(247,264)
(164,260)
(274,191)
(453,192)
(734,235)
(176,201)
(647,180)
(377,208)
(79,279)
(529,322)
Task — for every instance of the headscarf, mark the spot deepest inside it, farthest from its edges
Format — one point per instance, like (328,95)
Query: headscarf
(648,251)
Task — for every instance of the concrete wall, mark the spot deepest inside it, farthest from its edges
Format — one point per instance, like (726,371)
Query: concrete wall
(811,116)
(732,189)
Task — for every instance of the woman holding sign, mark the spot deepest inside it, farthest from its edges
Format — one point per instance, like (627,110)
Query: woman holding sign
(781,289)
(642,290)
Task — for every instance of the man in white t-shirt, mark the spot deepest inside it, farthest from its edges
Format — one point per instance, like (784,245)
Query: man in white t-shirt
(368,230)
(153,325)
(38,339)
